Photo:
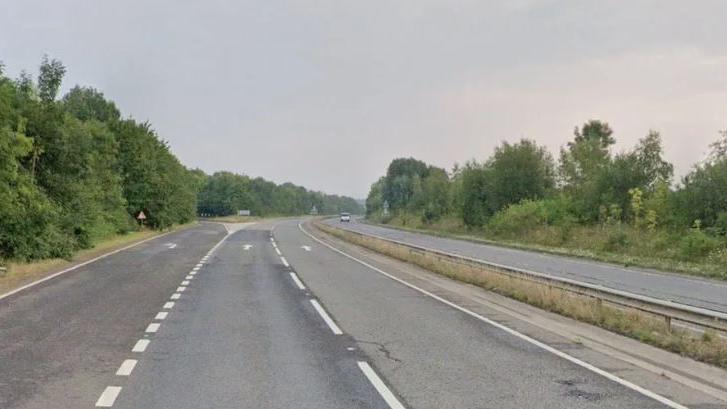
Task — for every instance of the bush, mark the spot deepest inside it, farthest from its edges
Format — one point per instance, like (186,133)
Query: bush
(696,245)
(530,214)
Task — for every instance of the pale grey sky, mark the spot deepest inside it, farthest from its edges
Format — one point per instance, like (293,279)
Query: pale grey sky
(325,93)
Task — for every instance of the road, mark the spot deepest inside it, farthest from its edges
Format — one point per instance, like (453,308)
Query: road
(270,317)
(691,291)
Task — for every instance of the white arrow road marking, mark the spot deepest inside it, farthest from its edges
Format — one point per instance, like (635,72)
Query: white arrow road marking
(306,248)
(171,245)
(247,247)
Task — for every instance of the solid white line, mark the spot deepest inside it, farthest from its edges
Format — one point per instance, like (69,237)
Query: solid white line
(161,315)
(185,282)
(108,397)
(297,281)
(380,386)
(511,331)
(181,289)
(140,345)
(87,262)
(153,327)
(175,296)
(278,251)
(331,324)
(169,305)
(126,367)
(285,262)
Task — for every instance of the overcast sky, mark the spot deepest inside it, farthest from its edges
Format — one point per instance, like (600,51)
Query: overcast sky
(325,93)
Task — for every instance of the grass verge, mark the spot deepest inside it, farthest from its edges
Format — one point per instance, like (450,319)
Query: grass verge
(708,348)
(581,244)
(233,219)
(22,273)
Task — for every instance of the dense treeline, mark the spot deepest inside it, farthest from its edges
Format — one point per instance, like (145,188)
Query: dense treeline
(73,171)
(522,193)
(225,193)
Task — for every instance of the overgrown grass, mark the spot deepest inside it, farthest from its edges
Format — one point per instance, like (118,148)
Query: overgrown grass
(21,273)
(691,252)
(644,327)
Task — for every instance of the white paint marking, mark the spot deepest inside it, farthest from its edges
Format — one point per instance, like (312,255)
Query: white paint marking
(247,247)
(169,305)
(189,277)
(194,270)
(126,367)
(548,348)
(171,245)
(275,245)
(192,273)
(198,266)
(351,348)
(306,248)
(181,289)
(52,276)
(175,296)
(331,324)
(153,327)
(272,239)
(161,316)
(285,262)
(278,251)
(185,282)
(108,397)
(140,345)
(297,281)
(380,386)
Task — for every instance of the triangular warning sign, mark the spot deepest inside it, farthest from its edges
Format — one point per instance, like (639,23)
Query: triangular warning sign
(141,215)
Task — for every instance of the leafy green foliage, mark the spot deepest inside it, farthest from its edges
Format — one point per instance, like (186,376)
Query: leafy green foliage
(72,173)
(602,203)
(224,193)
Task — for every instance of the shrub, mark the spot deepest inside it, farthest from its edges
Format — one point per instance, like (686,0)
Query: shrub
(696,244)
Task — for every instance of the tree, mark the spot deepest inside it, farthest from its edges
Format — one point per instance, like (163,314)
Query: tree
(703,194)
(518,172)
(50,78)
(87,103)
(475,194)
(586,154)
(402,176)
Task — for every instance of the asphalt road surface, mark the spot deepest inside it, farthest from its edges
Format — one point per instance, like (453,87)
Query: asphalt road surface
(691,291)
(268,317)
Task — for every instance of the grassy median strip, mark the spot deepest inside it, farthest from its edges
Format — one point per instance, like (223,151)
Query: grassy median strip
(709,347)
(22,273)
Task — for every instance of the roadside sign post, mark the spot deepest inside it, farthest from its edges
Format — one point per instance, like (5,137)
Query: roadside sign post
(141,217)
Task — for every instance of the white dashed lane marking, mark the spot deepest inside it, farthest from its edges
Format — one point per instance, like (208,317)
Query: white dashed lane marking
(380,386)
(126,367)
(169,305)
(108,397)
(181,289)
(153,327)
(141,345)
(297,281)
(175,296)
(185,282)
(327,318)
(285,262)
(161,316)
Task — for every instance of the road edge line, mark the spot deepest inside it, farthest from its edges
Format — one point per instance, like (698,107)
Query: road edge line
(653,395)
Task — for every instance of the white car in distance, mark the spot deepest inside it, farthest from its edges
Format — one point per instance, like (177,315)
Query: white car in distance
(345,217)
